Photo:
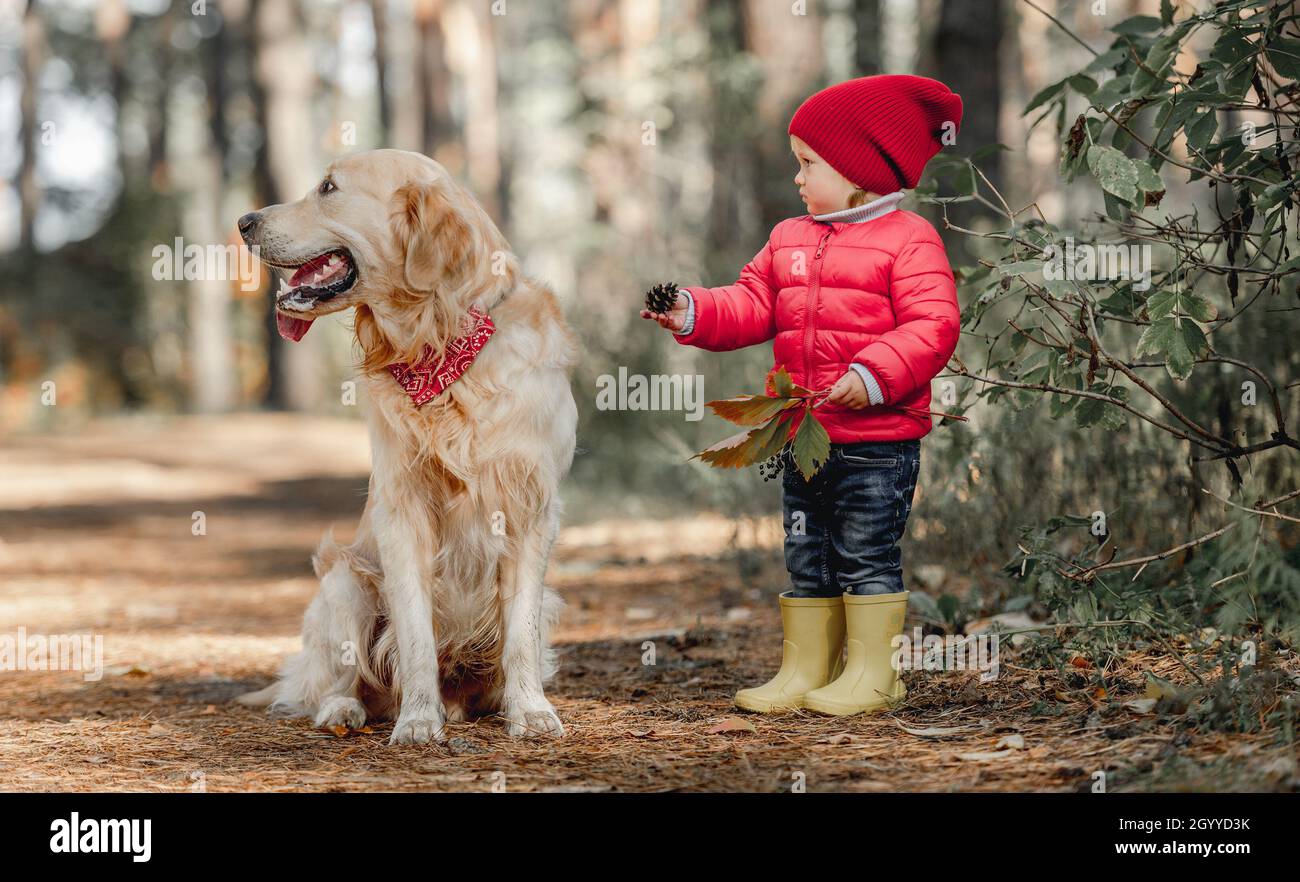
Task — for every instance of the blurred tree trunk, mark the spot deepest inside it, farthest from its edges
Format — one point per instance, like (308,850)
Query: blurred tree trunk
(730,156)
(964,54)
(866,45)
(212,364)
(379,22)
(280,90)
(33,57)
(113,21)
(431,75)
(159,175)
(478,70)
(266,192)
(793,61)
(215,49)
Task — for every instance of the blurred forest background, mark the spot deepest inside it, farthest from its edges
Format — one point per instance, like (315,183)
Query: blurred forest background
(618,143)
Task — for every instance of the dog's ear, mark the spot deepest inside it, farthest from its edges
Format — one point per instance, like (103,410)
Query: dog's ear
(436,235)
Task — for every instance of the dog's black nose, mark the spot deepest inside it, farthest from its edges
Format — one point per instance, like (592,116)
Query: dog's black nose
(248,223)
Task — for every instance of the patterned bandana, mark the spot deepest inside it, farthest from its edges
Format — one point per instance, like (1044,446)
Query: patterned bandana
(428,377)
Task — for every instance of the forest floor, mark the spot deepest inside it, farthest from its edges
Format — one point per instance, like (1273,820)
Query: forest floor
(96,536)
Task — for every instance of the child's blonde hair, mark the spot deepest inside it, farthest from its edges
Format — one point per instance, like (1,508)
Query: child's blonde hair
(859,197)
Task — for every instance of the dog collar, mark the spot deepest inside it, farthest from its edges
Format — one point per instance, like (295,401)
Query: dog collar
(428,377)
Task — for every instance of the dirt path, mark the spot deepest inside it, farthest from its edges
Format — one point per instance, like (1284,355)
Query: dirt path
(96,535)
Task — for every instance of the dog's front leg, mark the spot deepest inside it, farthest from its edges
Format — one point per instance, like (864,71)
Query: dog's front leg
(524,705)
(410,614)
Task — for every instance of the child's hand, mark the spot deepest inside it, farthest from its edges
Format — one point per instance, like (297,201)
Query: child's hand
(849,391)
(675,318)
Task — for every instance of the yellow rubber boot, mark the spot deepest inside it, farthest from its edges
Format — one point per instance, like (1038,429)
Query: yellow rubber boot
(811,654)
(869,682)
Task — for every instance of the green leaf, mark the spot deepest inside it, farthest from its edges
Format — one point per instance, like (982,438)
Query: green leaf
(1138,24)
(1284,55)
(1113,418)
(1172,116)
(1089,412)
(1193,340)
(1047,93)
(1198,307)
(1272,195)
(1114,171)
(1178,339)
(1235,86)
(1200,132)
(1155,67)
(1084,85)
(1120,139)
(1092,411)
(1159,337)
(812,446)
(1112,91)
(1039,358)
(1161,304)
(1061,405)
(1107,60)
(1167,303)
(1148,178)
(1231,46)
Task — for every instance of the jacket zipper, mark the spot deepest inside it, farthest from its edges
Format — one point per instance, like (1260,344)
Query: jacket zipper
(811,308)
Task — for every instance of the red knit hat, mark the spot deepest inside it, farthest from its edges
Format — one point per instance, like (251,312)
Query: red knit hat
(878,131)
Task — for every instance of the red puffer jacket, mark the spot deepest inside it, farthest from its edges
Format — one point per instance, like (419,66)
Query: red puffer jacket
(878,292)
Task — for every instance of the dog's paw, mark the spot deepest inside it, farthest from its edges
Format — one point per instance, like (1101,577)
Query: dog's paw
(532,720)
(419,729)
(341,710)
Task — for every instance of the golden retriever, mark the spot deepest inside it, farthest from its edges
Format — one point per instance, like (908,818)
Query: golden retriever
(437,610)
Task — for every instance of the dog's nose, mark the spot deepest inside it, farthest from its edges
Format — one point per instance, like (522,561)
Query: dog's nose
(248,223)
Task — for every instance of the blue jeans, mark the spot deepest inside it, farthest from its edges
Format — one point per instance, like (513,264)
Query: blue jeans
(842,528)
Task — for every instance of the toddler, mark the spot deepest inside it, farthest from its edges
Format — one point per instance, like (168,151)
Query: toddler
(858,296)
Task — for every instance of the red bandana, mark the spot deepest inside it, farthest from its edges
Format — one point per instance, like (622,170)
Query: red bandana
(426,379)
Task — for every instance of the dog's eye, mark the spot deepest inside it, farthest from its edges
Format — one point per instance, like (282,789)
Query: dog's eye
(326,186)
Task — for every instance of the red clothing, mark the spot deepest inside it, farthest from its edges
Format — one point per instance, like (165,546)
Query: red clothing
(879,292)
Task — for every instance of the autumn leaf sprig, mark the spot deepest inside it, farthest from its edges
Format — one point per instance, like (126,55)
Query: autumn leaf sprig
(771,417)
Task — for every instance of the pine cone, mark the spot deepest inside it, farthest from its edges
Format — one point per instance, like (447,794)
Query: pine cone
(661,298)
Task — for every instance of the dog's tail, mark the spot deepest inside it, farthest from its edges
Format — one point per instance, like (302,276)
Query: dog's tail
(260,698)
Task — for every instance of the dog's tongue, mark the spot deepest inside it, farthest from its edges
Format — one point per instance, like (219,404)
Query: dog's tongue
(312,272)
(291,328)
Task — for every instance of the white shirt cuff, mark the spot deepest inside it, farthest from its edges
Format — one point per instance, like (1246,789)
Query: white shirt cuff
(874,395)
(690,315)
